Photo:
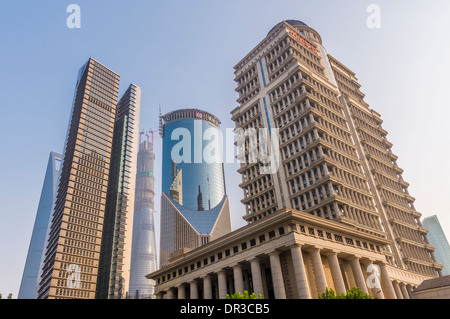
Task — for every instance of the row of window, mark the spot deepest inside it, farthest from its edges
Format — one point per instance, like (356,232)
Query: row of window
(223,254)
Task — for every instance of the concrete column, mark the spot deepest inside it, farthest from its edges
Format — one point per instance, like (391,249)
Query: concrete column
(222,281)
(300,272)
(410,289)
(319,273)
(336,273)
(388,289)
(207,288)
(181,292)
(194,289)
(357,273)
(238,279)
(169,294)
(404,291)
(398,292)
(277,275)
(257,277)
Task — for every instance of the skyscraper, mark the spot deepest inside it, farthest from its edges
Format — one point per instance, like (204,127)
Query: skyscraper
(335,159)
(29,284)
(194,205)
(143,255)
(326,204)
(73,248)
(115,254)
(437,238)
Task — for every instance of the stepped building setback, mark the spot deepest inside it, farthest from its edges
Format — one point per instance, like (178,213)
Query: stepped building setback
(335,213)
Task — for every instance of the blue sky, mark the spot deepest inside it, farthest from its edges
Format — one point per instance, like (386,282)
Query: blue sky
(182,54)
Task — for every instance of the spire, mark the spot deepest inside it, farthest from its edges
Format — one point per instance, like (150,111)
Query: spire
(200,199)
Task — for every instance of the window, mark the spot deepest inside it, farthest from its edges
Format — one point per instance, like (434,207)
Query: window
(262,239)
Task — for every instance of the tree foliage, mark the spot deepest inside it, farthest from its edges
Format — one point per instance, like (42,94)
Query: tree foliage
(354,293)
(246,295)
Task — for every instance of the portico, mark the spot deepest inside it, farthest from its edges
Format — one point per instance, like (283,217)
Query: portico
(290,254)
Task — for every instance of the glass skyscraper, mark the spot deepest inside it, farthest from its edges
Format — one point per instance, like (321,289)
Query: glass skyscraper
(437,238)
(143,255)
(29,284)
(72,253)
(88,250)
(114,266)
(193,183)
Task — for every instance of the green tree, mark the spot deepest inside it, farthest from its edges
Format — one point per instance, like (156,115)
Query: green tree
(246,295)
(354,293)
(9,296)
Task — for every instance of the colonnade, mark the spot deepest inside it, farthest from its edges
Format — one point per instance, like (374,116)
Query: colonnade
(231,278)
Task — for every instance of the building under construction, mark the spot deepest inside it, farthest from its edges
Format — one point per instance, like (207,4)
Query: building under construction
(143,256)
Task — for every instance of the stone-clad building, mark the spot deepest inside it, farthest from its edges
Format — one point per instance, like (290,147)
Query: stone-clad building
(289,254)
(335,208)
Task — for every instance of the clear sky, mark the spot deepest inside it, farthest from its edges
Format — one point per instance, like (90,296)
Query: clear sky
(182,54)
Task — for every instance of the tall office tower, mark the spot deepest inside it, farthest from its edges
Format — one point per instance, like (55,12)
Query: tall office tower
(335,161)
(29,284)
(72,254)
(437,238)
(115,253)
(194,204)
(143,255)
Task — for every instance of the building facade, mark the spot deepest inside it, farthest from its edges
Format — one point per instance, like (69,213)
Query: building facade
(92,207)
(194,205)
(143,255)
(335,159)
(73,247)
(287,255)
(333,211)
(436,288)
(29,285)
(114,266)
(437,238)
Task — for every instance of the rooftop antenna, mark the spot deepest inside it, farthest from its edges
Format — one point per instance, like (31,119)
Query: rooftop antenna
(140,136)
(161,128)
